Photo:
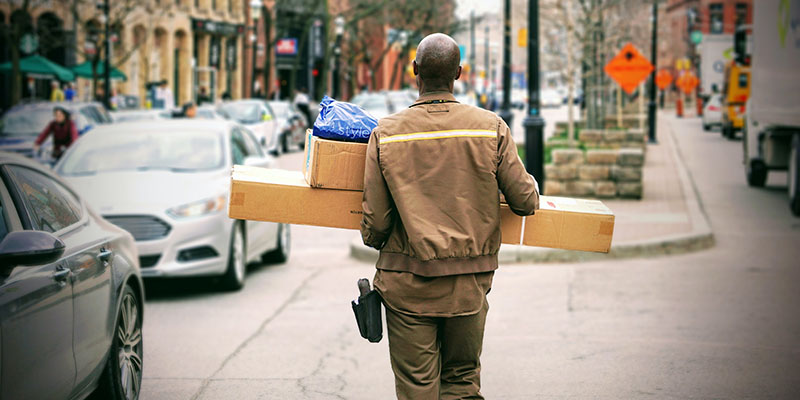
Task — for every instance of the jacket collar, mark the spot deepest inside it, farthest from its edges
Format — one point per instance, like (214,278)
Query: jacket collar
(431,96)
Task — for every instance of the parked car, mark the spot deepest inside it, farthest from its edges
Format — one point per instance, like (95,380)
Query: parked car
(71,296)
(376,104)
(399,100)
(256,115)
(291,124)
(168,183)
(712,112)
(550,98)
(23,123)
(210,112)
(140,115)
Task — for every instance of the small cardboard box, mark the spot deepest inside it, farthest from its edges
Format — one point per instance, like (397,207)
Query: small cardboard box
(331,164)
(572,224)
(273,195)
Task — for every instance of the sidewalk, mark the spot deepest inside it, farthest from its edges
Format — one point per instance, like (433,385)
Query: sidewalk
(668,220)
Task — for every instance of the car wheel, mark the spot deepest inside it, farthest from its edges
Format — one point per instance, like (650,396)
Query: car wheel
(281,252)
(285,143)
(794,176)
(122,376)
(756,172)
(706,127)
(237,260)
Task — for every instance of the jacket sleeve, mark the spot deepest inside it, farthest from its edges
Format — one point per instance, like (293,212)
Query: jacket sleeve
(43,135)
(378,206)
(519,188)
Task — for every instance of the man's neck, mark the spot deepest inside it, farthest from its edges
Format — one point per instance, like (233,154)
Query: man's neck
(434,91)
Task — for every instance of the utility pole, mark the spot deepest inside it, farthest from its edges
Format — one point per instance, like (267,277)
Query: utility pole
(534,123)
(472,50)
(505,110)
(651,106)
(107,61)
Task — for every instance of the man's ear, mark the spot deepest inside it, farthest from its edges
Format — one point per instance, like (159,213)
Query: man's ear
(415,67)
(458,73)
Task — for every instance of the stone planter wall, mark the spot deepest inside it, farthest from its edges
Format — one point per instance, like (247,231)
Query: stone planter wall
(611,166)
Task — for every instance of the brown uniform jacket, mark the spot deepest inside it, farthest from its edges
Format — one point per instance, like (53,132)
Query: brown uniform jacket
(431,201)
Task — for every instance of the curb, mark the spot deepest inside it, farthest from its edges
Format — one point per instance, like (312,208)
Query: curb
(700,238)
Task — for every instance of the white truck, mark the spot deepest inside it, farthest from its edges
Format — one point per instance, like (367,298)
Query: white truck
(715,51)
(772,127)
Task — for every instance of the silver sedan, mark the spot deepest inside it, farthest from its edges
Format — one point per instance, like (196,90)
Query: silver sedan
(168,183)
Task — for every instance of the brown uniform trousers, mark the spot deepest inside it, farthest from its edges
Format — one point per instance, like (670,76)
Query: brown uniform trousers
(436,357)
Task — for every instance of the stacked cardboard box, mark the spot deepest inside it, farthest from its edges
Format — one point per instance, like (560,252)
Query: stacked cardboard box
(328,193)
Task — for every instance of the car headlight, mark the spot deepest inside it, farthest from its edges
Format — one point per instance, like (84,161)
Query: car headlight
(199,208)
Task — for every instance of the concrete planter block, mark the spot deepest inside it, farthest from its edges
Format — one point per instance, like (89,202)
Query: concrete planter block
(558,142)
(614,136)
(579,188)
(590,136)
(633,145)
(554,187)
(631,157)
(635,135)
(626,174)
(593,172)
(561,172)
(630,190)
(601,157)
(567,156)
(605,189)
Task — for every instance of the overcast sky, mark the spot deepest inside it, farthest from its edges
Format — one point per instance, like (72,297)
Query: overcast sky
(480,7)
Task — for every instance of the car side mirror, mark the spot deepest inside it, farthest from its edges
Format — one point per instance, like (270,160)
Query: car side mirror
(27,248)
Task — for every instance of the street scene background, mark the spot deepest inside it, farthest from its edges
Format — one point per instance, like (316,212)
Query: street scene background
(681,116)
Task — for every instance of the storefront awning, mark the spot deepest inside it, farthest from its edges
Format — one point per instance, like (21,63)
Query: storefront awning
(40,67)
(84,70)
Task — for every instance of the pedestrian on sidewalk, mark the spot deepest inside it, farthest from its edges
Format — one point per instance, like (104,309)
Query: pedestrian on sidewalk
(56,95)
(431,207)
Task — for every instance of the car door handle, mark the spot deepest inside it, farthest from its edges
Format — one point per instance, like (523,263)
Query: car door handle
(62,274)
(105,255)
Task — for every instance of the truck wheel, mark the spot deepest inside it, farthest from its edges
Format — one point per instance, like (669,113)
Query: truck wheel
(756,172)
(724,131)
(794,176)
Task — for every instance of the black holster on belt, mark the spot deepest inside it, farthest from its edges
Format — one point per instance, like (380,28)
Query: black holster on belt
(368,313)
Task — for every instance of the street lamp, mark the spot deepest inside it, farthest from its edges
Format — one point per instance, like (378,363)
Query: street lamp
(651,106)
(505,110)
(337,51)
(534,123)
(255,14)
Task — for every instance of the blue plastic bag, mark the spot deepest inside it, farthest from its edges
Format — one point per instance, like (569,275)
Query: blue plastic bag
(343,121)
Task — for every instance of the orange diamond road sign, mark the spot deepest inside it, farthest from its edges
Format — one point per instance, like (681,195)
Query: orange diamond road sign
(687,82)
(629,68)
(663,79)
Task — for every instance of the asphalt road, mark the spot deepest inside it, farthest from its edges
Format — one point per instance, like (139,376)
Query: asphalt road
(721,324)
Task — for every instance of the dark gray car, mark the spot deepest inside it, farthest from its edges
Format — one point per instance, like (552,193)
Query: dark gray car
(71,297)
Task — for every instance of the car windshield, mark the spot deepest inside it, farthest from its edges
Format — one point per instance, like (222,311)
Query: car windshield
(280,108)
(26,122)
(246,113)
(178,151)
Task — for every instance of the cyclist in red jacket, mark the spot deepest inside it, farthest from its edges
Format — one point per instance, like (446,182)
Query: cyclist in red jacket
(63,130)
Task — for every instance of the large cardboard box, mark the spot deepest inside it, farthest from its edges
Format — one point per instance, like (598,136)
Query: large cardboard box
(331,164)
(572,224)
(272,195)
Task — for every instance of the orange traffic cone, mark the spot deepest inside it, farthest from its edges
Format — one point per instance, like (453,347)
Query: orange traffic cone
(679,107)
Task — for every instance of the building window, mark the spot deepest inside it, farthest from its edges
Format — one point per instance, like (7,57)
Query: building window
(715,17)
(741,14)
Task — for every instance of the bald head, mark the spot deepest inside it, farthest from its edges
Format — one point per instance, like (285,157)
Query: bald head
(437,61)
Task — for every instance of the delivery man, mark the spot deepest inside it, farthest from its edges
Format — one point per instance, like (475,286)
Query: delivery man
(432,207)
